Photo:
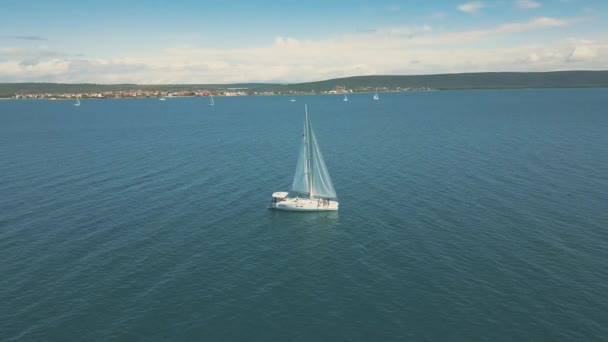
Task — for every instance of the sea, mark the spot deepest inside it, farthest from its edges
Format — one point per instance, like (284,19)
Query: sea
(477,215)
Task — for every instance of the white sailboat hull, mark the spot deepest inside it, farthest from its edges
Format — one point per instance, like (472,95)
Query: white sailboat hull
(304,204)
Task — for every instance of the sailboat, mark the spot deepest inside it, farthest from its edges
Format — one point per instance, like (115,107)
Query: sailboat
(211,102)
(311,189)
(77,104)
(376,97)
(345,98)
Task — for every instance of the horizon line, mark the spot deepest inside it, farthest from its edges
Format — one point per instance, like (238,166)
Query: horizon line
(322,80)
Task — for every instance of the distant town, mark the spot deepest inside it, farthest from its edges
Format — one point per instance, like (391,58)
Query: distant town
(141,93)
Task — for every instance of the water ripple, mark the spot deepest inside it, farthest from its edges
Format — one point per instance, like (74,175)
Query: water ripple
(464,216)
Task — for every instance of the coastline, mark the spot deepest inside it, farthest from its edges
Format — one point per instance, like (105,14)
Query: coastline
(354,84)
(59,97)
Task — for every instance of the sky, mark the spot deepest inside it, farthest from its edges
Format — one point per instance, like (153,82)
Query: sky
(162,42)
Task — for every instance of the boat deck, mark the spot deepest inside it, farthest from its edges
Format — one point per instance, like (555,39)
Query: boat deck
(305,204)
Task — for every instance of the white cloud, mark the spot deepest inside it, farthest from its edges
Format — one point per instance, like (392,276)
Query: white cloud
(536,23)
(582,53)
(533,57)
(401,30)
(527,4)
(471,7)
(386,50)
(45,69)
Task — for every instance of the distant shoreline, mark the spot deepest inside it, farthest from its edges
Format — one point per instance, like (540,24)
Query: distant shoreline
(286,95)
(355,84)
(58,97)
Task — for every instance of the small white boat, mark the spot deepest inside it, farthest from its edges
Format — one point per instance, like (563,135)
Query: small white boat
(211,102)
(345,98)
(162,99)
(77,104)
(312,189)
(292,100)
(376,97)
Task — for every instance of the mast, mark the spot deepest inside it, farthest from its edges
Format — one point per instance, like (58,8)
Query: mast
(311,177)
(308,150)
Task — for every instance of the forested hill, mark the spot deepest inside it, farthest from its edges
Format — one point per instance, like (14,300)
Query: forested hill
(484,80)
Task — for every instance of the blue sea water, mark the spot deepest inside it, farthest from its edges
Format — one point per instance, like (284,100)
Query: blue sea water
(464,216)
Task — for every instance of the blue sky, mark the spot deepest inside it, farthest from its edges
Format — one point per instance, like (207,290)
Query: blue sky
(291,41)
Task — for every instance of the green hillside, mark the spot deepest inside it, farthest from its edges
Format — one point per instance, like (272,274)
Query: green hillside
(486,80)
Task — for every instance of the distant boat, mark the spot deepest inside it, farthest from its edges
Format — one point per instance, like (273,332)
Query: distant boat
(77,104)
(345,98)
(311,180)
(162,99)
(211,102)
(292,100)
(376,97)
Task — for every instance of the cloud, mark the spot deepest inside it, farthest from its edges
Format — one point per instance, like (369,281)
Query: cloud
(50,69)
(421,35)
(399,31)
(415,49)
(471,7)
(533,57)
(582,53)
(536,23)
(527,4)
(31,53)
(37,38)
(30,38)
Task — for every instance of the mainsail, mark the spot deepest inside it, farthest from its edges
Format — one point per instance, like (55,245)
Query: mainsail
(312,177)
(301,180)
